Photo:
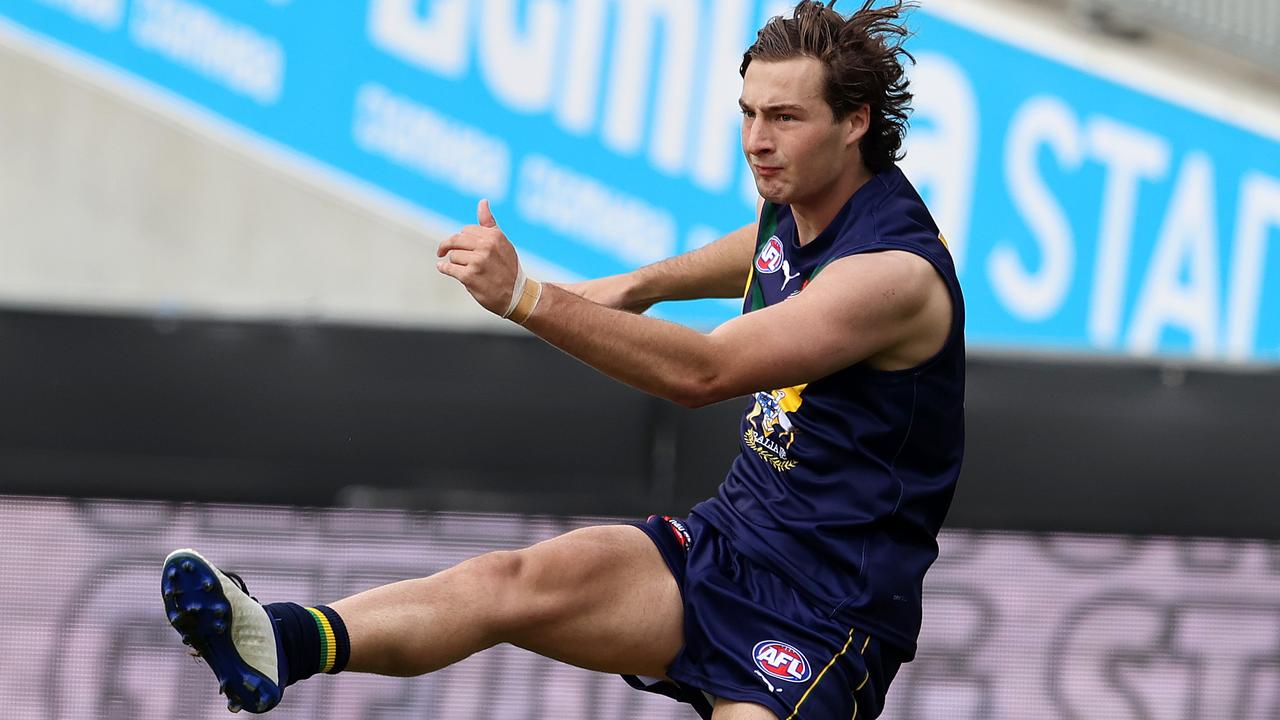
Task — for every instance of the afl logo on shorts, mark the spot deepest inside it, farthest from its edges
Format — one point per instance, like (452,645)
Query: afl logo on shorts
(781,661)
(770,258)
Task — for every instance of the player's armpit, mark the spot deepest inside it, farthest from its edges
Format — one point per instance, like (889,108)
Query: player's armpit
(891,309)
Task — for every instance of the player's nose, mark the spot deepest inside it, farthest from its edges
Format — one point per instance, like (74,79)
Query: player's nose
(756,140)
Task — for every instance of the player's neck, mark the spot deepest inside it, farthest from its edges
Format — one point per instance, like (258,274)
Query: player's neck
(813,216)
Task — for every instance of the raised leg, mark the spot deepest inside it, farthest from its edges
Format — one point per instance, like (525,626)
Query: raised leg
(599,598)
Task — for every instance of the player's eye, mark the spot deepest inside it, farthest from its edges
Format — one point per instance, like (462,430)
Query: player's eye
(784,117)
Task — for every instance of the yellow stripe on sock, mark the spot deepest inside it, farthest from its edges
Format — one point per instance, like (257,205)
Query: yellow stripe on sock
(328,644)
(818,679)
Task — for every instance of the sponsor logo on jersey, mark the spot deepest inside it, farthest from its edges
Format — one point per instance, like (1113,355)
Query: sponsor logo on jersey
(769,260)
(781,661)
(787,276)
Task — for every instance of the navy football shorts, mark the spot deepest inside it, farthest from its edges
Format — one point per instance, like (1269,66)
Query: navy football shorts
(749,636)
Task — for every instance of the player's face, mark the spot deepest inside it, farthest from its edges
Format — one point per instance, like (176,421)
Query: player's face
(796,149)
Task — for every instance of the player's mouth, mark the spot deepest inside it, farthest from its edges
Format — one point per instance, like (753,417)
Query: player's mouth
(767,171)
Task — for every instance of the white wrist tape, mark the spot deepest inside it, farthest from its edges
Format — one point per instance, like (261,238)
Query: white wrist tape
(516,291)
(524,298)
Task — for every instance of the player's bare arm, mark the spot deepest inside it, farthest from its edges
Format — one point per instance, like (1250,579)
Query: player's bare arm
(890,309)
(716,270)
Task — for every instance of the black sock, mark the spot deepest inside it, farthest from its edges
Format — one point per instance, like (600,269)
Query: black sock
(312,640)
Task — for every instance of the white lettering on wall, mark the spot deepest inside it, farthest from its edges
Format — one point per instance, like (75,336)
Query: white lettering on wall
(657,80)
(555,59)
(718,150)
(634,51)
(1188,241)
(1181,281)
(1258,217)
(576,109)
(593,213)
(1037,294)
(102,14)
(436,42)
(1130,155)
(942,150)
(229,53)
(520,69)
(434,146)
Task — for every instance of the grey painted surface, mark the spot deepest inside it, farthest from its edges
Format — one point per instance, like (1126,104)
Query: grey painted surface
(106,204)
(1247,28)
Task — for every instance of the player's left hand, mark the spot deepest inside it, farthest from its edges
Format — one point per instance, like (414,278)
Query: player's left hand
(483,260)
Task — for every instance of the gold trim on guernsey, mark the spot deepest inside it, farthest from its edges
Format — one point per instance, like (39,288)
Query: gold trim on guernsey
(862,684)
(864,681)
(818,679)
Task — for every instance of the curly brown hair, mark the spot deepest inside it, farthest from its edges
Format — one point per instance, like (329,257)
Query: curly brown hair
(862,55)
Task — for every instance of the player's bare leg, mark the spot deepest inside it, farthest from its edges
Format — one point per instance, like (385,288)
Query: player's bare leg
(732,710)
(600,598)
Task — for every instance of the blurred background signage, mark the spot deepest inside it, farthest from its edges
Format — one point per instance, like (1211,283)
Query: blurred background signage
(1089,212)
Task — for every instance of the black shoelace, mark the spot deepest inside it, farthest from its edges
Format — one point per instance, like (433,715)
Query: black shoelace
(240,582)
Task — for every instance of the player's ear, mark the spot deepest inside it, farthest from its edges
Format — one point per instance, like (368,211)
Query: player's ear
(857,124)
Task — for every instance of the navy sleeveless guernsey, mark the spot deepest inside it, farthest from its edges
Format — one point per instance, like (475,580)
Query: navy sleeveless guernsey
(842,484)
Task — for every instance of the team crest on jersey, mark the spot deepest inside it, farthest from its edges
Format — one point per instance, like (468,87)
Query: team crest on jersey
(770,258)
(781,661)
(772,432)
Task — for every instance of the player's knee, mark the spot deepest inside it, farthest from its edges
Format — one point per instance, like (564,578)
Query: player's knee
(512,582)
(500,572)
(503,575)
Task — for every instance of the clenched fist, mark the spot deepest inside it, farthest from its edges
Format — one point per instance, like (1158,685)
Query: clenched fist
(483,260)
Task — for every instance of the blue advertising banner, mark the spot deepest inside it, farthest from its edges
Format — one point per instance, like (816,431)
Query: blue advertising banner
(1086,215)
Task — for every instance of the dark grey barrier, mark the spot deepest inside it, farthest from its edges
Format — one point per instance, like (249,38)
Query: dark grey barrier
(322,414)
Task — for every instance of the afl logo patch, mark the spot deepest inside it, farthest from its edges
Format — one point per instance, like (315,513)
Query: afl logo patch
(770,258)
(782,661)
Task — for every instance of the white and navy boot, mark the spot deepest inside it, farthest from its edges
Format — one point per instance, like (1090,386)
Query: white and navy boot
(223,624)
